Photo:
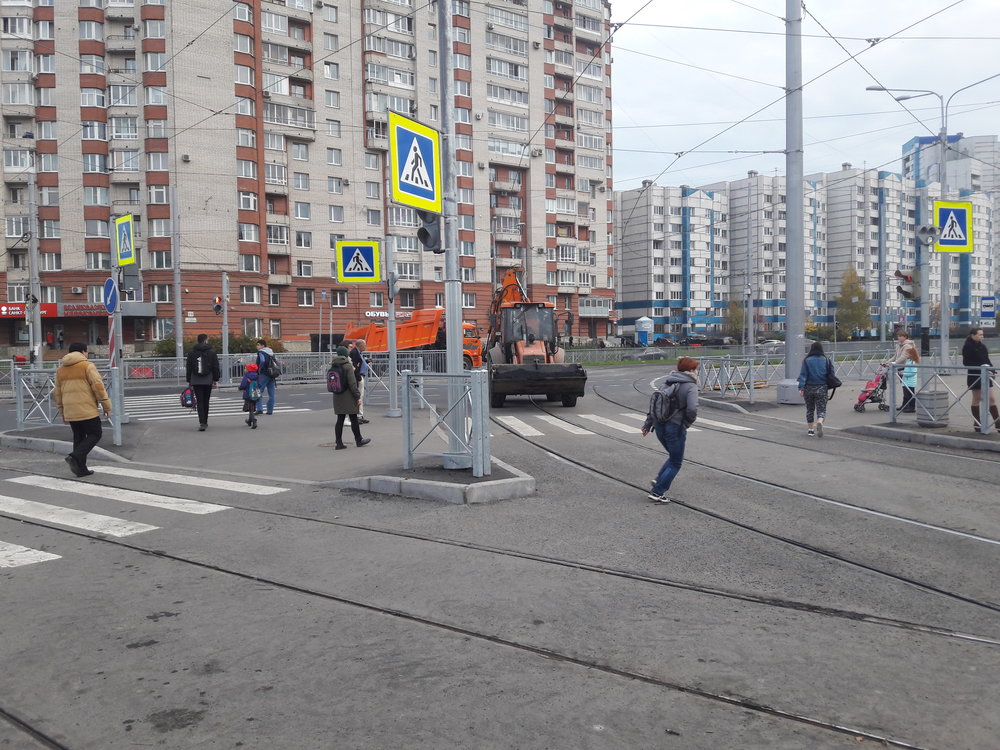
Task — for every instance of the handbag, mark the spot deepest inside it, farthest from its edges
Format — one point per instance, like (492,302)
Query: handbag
(832,381)
(188,399)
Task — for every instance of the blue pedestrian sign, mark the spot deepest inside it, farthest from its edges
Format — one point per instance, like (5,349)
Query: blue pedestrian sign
(110,296)
(989,307)
(954,219)
(124,240)
(358,261)
(415,159)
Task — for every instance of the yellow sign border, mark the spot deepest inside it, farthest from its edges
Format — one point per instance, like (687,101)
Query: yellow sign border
(397,121)
(968,247)
(127,219)
(376,247)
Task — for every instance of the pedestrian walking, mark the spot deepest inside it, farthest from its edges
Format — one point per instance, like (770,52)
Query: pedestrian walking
(812,387)
(203,373)
(250,385)
(50,339)
(348,402)
(78,392)
(265,360)
(908,376)
(975,354)
(361,369)
(672,431)
(60,340)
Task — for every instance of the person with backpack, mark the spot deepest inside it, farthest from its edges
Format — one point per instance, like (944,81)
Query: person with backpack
(346,397)
(267,372)
(673,409)
(203,373)
(813,387)
(250,385)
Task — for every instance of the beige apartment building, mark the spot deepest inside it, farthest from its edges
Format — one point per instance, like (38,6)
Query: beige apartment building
(247,137)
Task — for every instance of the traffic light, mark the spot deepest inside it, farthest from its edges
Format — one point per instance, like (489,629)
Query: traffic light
(217,307)
(429,233)
(909,286)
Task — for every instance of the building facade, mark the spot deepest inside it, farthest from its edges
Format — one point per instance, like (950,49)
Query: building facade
(248,137)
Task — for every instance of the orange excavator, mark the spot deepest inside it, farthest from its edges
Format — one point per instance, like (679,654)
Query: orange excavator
(420,331)
(521,349)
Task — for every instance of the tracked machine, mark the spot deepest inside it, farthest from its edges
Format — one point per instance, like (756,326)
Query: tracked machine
(521,350)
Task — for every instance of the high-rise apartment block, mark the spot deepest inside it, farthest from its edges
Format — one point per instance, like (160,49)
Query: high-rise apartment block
(246,137)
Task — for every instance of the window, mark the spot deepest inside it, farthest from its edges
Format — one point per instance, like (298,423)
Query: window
(334,156)
(91,30)
(248,201)
(277,234)
(157,162)
(244,74)
(337,214)
(243,43)
(159,292)
(155,61)
(98,261)
(95,228)
(159,194)
(249,262)
(155,29)
(88,97)
(373,217)
(306,297)
(468,300)
(372,190)
(303,268)
(376,299)
(95,163)
(303,240)
(156,128)
(92,64)
(248,232)
(161,259)
(331,70)
(334,185)
(300,180)
(246,168)
(124,128)
(333,128)
(300,151)
(159,227)
(95,196)
(156,95)
(250,295)
(122,96)
(303,210)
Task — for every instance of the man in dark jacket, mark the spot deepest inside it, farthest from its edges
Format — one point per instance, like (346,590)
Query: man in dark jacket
(672,434)
(203,373)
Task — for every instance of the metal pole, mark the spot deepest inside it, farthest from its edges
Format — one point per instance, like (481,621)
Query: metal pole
(881,262)
(33,303)
(227,376)
(390,275)
(456,458)
(945,257)
(788,390)
(175,257)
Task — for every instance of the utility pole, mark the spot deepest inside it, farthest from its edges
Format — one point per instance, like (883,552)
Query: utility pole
(788,389)
(175,257)
(456,458)
(227,376)
(32,306)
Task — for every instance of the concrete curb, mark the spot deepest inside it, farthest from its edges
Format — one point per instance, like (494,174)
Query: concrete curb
(51,445)
(521,485)
(928,437)
(721,405)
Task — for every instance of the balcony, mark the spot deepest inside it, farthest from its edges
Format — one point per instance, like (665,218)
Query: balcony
(508,262)
(120,43)
(279,249)
(121,176)
(508,187)
(514,213)
(278,279)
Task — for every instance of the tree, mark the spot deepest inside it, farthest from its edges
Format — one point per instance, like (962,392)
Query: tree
(852,305)
(735,318)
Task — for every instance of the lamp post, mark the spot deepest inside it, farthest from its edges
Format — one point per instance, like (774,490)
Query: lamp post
(943,180)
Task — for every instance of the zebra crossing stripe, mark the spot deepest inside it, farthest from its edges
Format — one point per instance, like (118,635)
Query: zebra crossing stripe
(520,427)
(14,555)
(725,425)
(217,484)
(631,429)
(636,415)
(557,422)
(115,493)
(77,519)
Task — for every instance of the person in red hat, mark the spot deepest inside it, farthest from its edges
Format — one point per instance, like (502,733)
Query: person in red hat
(250,386)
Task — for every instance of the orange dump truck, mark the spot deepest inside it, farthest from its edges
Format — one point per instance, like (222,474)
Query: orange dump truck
(423,330)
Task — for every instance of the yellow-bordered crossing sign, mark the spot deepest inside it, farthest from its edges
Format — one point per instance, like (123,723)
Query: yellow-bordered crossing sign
(358,261)
(954,218)
(415,160)
(124,245)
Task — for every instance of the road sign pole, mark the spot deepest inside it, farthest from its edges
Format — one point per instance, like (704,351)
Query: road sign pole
(227,375)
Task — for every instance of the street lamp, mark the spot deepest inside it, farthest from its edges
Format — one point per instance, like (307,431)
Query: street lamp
(943,179)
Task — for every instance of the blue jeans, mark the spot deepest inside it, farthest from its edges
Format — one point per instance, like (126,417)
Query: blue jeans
(672,436)
(266,384)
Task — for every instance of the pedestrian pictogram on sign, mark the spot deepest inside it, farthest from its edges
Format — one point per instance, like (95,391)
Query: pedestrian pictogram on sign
(358,261)
(124,246)
(415,161)
(955,221)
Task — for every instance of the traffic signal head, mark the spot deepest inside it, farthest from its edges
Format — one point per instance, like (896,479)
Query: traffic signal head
(217,307)
(909,285)
(429,233)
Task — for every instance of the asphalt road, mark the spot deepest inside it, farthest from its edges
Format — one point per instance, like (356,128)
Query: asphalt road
(801,594)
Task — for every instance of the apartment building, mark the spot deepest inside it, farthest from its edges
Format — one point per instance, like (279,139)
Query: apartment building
(673,260)
(248,137)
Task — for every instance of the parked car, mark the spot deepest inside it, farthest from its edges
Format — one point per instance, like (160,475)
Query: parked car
(771,346)
(663,341)
(643,355)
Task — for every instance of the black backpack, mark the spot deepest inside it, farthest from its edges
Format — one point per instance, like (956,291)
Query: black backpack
(664,402)
(335,380)
(270,367)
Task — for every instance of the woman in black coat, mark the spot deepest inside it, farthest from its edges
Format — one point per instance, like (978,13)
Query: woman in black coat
(975,354)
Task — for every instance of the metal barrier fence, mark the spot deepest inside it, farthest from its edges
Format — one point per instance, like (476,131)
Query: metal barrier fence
(473,439)
(34,403)
(939,390)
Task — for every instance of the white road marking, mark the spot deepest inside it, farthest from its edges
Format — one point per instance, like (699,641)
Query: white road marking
(218,484)
(564,425)
(115,493)
(520,427)
(631,429)
(212,414)
(14,555)
(725,425)
(77,519)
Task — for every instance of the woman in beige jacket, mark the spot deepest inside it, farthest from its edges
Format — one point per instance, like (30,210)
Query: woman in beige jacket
(79,389)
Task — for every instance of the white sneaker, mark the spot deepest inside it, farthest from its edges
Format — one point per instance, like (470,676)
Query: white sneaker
(810,433)
(660,499)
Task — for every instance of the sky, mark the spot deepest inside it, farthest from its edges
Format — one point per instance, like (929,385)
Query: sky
(681,95)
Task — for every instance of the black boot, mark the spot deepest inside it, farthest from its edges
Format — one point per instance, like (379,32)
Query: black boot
(339,447)
(363,442)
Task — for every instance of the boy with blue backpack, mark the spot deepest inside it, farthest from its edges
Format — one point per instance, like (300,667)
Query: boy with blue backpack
(250,385)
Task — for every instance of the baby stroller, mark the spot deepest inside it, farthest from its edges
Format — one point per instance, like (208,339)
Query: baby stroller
(873,392)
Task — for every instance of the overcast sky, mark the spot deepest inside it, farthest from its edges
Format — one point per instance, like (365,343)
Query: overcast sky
(684,89)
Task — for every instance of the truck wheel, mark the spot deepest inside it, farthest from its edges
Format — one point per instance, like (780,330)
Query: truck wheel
(467,362)
(569,400)
(497,399)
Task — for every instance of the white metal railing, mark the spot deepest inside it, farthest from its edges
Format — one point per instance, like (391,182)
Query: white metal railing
(939,390)
(34,404)
(474,395)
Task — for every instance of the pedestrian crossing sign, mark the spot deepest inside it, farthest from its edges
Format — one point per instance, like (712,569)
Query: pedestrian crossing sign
(358,261)
(124,246)
(415,160)
(955,221)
